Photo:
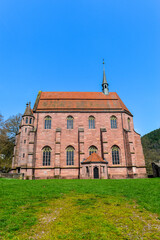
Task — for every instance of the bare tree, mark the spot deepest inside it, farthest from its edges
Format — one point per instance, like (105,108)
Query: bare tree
(8,131)
(12,126)
(1,122)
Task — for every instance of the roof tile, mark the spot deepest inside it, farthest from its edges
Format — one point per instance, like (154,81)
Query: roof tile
(79,101)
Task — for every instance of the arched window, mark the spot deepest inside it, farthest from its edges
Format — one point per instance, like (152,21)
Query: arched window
(46,156)
(47,122)
(69,122)
(115,155)
(26,119)
(30,121)
(113,122)
(91,120)
(129,121)
(70,155)
(92,149)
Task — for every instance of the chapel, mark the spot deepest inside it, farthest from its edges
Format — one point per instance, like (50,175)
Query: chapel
(85,135)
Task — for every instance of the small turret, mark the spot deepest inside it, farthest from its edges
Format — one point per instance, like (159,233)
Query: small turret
(28,111)
(28,115)
(105,88)
(24,159)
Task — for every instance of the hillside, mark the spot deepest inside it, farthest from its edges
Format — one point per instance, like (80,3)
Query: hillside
(151,148)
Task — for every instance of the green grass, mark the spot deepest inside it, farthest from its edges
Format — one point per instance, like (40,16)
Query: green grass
(79,209)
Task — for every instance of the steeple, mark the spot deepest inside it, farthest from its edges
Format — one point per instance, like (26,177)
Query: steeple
(28,111)
(105,88)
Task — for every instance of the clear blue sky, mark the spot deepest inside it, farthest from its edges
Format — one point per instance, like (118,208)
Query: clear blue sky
(59,45)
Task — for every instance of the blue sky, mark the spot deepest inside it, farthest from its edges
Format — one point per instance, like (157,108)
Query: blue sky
(59,46)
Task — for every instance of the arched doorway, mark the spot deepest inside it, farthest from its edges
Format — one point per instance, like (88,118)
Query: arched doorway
(96,173)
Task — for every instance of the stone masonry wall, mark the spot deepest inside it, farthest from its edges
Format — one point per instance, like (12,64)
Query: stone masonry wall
(81,141)
(58,138)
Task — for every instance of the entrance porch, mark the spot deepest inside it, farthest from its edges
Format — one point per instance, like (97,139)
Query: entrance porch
(94,167)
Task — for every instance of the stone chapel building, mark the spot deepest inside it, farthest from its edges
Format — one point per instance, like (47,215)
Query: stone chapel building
(78,135)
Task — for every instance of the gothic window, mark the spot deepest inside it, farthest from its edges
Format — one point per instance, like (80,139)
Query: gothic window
(92,149)
(47,122)
(113,122)
(24,141)
(23,155)
(115,155)
(26,120)
(30,121)
(25,129)
(91,122)
(46,156)
(129,121)
(70,155)
(69,122)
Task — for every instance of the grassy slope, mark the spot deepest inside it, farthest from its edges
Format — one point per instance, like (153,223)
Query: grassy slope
(21,201)
(151,148)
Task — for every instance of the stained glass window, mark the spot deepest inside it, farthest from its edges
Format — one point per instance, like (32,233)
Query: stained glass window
(47,123)
(115,155)
(92,149)
(46,156)
(113,122)
(69,122)
(91,122)
(70,155)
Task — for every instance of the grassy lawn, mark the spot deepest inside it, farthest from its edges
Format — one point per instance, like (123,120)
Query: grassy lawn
(80,209)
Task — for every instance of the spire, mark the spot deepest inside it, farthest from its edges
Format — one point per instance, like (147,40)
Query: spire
(28,111)
(105,88)
(104,77)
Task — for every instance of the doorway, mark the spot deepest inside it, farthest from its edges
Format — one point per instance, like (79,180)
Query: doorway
(157,172)
(96,173)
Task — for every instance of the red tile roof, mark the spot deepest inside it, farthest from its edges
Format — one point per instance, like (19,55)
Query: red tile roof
(79,101)
(94,158)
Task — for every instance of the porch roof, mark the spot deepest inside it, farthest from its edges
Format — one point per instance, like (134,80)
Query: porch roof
(94,158)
